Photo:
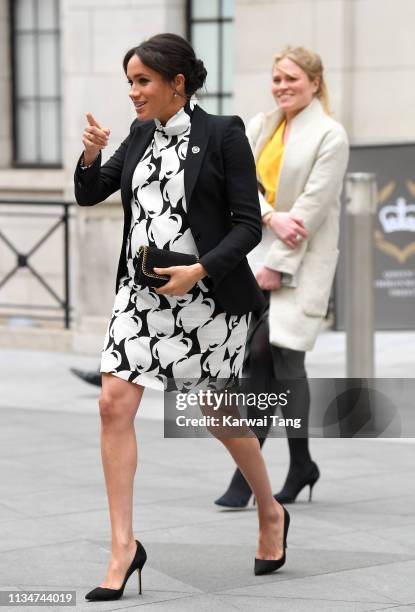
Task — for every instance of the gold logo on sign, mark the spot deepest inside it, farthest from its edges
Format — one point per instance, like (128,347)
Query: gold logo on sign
(386,192)
(410,185)
(391,249)
(395,217)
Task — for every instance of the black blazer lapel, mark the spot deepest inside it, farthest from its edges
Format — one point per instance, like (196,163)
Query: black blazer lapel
(140,140)
(195,151)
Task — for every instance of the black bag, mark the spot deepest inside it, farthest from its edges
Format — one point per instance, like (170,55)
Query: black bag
(151,257)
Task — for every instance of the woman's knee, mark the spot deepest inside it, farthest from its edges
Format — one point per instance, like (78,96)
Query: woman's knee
(117,408)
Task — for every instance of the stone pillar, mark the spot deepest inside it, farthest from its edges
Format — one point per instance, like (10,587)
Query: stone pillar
(5,87)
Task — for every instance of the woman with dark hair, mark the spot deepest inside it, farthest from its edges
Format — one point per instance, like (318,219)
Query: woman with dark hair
(188,186)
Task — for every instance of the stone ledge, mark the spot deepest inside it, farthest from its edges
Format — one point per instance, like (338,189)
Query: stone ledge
(32,179)
(82,341)
(45,339)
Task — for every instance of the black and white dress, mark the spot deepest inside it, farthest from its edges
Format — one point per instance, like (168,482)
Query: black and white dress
(160,341)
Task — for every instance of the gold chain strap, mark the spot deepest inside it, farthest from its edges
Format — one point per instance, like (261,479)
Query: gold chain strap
(144,250)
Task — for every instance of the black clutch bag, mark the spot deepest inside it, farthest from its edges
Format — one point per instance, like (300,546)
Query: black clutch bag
(151,257)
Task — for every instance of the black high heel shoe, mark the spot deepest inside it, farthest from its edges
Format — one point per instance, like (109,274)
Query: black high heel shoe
(267,566)
(238,493)
(104,594)
(295,482)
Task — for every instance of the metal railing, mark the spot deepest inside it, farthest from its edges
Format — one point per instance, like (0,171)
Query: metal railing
(61,217)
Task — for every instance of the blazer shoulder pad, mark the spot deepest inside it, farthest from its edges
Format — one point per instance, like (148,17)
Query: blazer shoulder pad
(223,122)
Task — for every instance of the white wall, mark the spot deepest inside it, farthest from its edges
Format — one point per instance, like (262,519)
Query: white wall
(368,49)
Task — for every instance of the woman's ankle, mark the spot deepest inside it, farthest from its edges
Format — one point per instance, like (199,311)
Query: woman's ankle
(271,513)
(123,544)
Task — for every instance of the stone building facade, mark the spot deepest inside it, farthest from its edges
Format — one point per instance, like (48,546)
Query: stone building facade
(369,54)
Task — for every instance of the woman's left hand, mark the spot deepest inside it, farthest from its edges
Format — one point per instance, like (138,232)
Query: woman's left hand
(288,228)
(182,278)
(268,279)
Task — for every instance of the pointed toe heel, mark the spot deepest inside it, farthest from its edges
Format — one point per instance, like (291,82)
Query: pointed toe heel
(234,500)
(238,493)
(267,566)
(104,594)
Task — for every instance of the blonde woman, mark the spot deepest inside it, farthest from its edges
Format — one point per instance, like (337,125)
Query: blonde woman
(301,155)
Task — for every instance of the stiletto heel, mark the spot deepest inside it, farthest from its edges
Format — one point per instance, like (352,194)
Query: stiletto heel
(295,482)
(104,594)
(267,566)
(311,488)
(139,580)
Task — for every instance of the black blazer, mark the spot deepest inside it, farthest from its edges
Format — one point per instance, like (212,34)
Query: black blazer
(221,195)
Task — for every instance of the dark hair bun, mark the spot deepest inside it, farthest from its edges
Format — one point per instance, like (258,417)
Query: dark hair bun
(196,77)
(169,55)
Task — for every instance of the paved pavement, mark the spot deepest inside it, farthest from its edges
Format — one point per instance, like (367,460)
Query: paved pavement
(351,549)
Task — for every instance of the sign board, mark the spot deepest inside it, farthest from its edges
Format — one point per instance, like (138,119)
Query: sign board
(393,235)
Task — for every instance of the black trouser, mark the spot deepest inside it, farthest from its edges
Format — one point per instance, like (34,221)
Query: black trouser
(274,369)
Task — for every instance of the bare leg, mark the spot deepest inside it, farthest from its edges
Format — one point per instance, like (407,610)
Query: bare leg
(118,405)
(247,455)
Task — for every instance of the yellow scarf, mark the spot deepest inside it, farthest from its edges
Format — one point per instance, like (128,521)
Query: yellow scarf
(269,164)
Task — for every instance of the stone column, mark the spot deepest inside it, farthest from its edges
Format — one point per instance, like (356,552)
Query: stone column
(5,87)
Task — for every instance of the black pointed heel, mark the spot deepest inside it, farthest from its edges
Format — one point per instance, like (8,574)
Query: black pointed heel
(267,566)
(295,482)
(238,493)
(104,594)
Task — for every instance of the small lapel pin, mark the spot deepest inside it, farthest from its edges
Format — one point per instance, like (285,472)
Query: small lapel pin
(195,149)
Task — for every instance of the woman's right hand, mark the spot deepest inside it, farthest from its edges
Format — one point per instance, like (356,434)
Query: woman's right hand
(288,228)
(94,138)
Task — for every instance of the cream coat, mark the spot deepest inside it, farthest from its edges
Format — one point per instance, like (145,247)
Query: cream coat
(310,183)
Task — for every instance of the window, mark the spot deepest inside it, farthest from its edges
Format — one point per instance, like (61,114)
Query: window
(37,139)
(210,30)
